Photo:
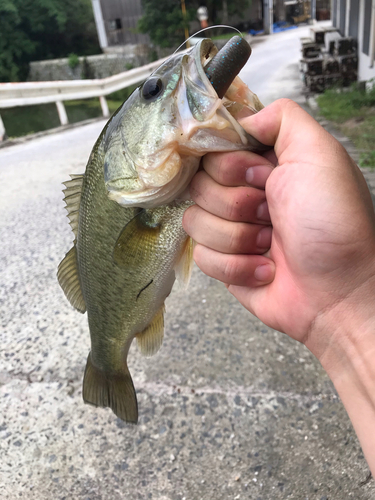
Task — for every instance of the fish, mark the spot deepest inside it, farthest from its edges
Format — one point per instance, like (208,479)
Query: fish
(126,210)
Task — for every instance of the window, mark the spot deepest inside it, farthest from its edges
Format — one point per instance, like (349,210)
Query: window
(116,24)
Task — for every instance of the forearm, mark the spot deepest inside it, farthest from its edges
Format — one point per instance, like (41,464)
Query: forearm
(349,359)
(359,403)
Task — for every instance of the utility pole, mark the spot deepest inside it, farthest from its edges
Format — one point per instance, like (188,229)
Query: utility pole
(183,8)
(313,10)
(268,16)
(225,12)
(102,35)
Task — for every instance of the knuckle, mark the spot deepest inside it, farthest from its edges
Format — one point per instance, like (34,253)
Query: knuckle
(238,238)
(196,186)
(234,206)
(198,252)
(189,218)
(232,210)
(284,102)
(223,172)
(238,204)
(231,270)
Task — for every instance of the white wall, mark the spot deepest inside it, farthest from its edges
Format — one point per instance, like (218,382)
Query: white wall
(365,71)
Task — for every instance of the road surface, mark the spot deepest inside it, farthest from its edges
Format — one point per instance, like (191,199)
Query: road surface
(229,409)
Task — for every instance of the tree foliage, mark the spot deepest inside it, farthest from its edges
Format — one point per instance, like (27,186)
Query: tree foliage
(164,23)
(215,9)
(43,29)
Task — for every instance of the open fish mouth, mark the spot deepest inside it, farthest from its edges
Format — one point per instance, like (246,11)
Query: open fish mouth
(224,66)
(185,109)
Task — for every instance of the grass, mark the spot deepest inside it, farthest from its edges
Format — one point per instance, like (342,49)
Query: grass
(226,36)
(26,120)
(353,111)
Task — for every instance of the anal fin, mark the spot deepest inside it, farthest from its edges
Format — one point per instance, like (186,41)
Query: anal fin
(150,340)
(115,391)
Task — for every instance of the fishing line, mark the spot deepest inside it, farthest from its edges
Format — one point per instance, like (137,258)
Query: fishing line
(205,29)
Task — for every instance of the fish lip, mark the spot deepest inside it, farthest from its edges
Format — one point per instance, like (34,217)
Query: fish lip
(206,50)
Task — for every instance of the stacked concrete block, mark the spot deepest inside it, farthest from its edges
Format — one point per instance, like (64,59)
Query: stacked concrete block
(329,41)
(328,59)
(318,34)
(309,48)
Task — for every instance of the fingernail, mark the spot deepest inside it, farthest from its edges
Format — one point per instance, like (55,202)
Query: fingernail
(265,273)
(258,174)
(263,212)
(264,237)
(249,175)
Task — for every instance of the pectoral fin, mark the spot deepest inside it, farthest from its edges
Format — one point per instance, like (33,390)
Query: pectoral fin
(137,241)
(150,340)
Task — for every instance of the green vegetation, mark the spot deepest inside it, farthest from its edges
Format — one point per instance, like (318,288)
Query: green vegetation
(226,36)
(29,119)
(32,30)
(26,120)
(73,60)
(353,111)
(85,109)
(164,23)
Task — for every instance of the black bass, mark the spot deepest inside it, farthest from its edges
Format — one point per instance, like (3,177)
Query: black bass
(126,210)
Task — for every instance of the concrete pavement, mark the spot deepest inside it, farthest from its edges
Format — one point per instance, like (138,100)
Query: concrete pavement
(229,409)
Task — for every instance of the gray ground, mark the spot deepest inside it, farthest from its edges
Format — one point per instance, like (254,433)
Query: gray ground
(229,409)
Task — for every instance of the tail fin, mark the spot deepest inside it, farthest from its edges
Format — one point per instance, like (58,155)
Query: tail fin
(116,392)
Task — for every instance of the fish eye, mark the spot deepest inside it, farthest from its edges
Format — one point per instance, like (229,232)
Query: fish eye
(152,88)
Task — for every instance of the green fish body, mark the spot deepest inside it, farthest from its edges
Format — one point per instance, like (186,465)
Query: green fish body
(126,212)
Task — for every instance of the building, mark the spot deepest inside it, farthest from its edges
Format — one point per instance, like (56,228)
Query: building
(356,18)
(116,22)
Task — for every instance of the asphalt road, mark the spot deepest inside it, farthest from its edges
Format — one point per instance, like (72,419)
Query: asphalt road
(229,409)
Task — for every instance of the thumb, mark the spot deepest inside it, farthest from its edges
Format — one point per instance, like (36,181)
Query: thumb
(293,132)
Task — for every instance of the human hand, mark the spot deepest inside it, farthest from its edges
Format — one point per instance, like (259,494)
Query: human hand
(317,281)
(323,238)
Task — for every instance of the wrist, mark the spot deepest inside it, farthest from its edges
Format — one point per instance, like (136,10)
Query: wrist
(343,336)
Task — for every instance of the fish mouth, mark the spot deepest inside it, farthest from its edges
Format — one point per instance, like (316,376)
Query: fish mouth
(221,67)
(196,117)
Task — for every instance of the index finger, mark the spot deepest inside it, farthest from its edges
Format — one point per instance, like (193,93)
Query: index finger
(238,168)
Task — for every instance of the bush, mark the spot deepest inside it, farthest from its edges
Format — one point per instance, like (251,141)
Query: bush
(73,60)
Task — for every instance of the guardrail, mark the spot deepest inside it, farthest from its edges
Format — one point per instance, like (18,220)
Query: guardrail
(31,93)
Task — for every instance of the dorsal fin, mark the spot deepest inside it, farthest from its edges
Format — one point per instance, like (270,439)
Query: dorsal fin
(67,274)
(73,199)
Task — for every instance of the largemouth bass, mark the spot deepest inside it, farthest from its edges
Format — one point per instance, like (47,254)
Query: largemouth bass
(126,211)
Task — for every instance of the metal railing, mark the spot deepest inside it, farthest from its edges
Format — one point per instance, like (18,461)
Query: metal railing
(31,93)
